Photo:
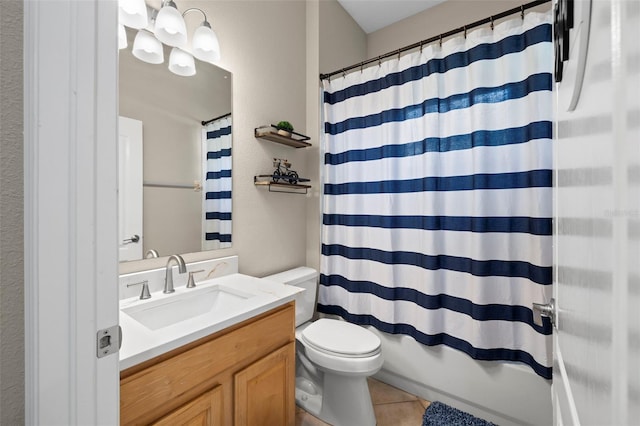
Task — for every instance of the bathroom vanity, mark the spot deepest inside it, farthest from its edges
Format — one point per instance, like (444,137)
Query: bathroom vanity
(226,356)
(243,375)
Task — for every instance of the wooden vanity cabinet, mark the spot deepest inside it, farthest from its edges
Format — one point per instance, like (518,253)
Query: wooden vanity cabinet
(243,375)
(204,410)
(265,389)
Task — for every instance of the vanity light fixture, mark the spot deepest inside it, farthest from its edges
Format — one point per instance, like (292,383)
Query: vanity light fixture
(147,48)
(132,13)
(122,37)
(181,63)
(205,43)
(168,26)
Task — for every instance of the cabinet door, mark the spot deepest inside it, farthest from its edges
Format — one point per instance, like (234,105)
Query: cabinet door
(265,390)
(205,410)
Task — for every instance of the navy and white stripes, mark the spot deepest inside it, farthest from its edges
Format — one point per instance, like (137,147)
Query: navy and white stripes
(217,185)
(437,194)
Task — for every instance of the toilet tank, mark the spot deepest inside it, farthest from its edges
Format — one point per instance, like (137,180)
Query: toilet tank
(302,277)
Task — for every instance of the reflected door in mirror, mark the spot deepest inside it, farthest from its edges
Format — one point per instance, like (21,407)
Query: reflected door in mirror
(130,188)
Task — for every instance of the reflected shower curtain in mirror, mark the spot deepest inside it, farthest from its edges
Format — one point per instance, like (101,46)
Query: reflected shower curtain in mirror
(437,193)
(217,184)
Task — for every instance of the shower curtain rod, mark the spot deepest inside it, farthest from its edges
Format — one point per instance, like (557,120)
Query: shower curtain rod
(204,123)
(420,44)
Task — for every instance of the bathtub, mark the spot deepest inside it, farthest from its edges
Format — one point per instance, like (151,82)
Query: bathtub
(505,393)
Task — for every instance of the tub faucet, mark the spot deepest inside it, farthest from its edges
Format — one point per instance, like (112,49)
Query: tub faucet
(168,279)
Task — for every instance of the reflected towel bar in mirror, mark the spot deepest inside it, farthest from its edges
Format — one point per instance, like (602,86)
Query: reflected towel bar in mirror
(196,186)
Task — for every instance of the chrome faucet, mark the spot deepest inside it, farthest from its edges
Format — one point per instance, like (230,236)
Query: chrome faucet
(151,253)
(168,279)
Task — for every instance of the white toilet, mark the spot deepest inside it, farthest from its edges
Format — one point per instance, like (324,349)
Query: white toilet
(333,359)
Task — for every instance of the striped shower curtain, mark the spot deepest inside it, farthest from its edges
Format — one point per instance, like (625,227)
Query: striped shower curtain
(217,184)
(437,193)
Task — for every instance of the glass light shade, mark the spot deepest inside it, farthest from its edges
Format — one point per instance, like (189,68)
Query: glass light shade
(170,26)
(205,45)
(133,13)
(122,37)
(147,48)
(181,63)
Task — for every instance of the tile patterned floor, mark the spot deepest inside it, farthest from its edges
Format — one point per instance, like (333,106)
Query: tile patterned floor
(392,407)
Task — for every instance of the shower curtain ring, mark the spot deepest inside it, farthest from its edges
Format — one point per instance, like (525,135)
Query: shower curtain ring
(492,23)
(522,11)
(421,45)
(465,31)
(440,40)
(399,51)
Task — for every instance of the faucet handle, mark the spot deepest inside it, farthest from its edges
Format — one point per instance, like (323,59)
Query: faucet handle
(145,289)
(191,282)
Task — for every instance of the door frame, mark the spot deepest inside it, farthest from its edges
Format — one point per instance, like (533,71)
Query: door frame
(70,218)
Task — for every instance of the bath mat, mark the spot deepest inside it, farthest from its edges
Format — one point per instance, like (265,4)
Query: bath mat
(439,414)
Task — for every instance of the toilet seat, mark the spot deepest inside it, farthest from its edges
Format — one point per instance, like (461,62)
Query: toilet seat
(342,347)
(340,338)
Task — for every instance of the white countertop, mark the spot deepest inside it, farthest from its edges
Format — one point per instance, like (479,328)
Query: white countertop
(140,343)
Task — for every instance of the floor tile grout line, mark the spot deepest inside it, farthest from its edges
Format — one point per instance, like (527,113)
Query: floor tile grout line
(397,402)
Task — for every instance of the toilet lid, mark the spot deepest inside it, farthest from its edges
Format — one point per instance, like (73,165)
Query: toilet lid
(340,337)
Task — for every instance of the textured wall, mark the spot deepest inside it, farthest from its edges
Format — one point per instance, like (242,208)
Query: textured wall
(313,129)
(11,217)
(439,19)
(263,45)
(342,41)
(334,40)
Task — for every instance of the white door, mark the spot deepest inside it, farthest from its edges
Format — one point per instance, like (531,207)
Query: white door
(71,261)
(597,222)
(130,189)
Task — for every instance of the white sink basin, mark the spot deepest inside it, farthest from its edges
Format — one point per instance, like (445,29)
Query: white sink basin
(198,302)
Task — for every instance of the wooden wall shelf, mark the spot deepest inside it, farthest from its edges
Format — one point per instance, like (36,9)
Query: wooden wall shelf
(270,133)
(282,187)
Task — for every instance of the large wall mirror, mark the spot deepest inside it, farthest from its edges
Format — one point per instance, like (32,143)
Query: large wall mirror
(175,173)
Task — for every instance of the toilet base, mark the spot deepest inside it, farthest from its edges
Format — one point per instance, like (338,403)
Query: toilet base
(307,396)
(347,401)
(344,401)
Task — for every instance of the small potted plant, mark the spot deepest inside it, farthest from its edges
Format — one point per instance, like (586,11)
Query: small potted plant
(284,128)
